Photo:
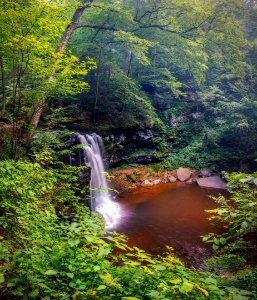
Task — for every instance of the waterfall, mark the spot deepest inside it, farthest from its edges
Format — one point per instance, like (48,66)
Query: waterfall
(101,199)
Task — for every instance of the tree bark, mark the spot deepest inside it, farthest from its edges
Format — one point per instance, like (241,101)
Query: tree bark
(71,27)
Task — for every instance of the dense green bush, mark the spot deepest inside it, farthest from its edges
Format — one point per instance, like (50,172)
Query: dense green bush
(244,280)
(237,214)
(191,156)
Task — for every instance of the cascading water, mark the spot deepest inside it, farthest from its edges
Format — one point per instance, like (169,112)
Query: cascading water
(101,199)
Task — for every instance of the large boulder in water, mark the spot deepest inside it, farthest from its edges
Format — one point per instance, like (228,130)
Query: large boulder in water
(184,174)
(212,182)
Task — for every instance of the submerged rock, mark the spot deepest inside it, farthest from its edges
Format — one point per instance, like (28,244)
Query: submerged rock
(184,174)
(212,182)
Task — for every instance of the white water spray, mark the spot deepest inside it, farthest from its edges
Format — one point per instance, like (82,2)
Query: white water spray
(101,199)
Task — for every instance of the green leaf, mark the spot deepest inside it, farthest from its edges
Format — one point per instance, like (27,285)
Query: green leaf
(34,293)
(1,278)
(70,275)
(101,287)
(175,281)
(31,193)
(223,241)
(96,268)
(154,294)
(216,241)
(51,272)
(187,287)
(232,231)
(247,179)
(19,190)
(160,268)
(244,225)
(74,226)
(211,280)
(215,247)
(73,242)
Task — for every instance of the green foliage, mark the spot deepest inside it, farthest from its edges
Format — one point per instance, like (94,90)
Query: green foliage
(152,54)
(156,62)
(137,45)
(237,214)
(193,156)
(21,182)
(137,107)
(53,248)
(31,30)
(245,280)
(5,145)
(160,143)
(48,147)
(225,263)
(220,125)
(32,69)
(57,117)
(235,248)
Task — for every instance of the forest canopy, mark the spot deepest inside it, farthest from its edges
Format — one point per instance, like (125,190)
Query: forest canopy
(178,67)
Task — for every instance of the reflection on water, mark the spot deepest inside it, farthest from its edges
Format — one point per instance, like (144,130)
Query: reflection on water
(168,214)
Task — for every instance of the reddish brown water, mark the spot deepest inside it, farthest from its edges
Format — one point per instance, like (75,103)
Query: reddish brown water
(168,214)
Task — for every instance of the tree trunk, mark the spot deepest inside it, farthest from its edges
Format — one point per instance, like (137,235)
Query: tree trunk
(97,83)
(3,86)
(131,56)
(37,111)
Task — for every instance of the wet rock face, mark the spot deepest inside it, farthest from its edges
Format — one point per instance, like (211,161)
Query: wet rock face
(84,177)
(146,135)
(136,147)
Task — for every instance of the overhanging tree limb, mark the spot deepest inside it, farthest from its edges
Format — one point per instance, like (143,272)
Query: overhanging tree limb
(72,26)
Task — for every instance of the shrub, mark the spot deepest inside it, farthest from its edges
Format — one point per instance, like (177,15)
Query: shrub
(237,214)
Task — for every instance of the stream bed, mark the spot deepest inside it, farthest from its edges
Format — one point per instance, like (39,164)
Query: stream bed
(168,214)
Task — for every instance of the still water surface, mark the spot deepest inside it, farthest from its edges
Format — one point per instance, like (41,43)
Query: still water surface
(168,214)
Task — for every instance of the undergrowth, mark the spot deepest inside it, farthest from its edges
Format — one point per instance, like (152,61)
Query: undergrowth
(52,247)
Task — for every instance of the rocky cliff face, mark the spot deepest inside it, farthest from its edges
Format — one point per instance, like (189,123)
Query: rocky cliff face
(138,147)
(130,147)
